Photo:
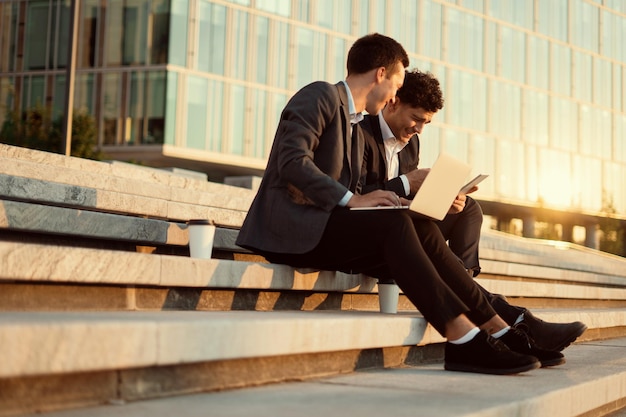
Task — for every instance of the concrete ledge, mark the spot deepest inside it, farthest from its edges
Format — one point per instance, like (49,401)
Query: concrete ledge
(50,343)
(53,342)
(44,263)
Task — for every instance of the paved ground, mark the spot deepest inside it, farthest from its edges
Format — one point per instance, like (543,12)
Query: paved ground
(595,373)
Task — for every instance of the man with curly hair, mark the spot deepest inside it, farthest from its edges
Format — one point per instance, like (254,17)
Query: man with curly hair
(391,161)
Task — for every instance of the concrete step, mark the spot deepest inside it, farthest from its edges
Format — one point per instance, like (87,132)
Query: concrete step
(44,343)
(591,383)
(149,281)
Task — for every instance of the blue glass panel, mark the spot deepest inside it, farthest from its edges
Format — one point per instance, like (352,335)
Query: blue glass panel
(211,37)
(196,112)
(179,19)
(236,131)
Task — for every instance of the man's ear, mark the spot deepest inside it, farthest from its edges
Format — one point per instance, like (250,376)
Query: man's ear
(381,74)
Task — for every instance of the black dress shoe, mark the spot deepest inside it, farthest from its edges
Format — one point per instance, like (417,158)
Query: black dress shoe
(550,336)
(519,342)
(486,355)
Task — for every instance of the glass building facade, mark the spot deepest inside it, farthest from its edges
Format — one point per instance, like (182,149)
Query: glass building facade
(534,89)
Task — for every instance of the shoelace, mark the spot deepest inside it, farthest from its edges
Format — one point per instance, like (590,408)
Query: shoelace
(497,344)
(523,335)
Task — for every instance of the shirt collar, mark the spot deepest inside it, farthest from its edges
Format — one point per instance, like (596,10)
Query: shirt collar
(388,136)
(354,116)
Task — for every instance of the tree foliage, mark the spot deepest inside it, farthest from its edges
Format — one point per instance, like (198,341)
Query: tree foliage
(36,129)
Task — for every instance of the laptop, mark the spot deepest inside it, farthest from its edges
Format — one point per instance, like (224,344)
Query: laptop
(441,186)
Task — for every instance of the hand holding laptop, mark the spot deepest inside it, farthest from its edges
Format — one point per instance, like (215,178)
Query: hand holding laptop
(441,186)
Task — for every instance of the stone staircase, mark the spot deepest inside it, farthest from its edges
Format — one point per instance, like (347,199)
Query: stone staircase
(101,304)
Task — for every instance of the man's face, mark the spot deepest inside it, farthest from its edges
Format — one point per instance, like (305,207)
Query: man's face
(404,120)
(387,84)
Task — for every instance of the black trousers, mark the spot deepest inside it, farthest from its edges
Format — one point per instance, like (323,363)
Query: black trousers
(403,246)
(462,231)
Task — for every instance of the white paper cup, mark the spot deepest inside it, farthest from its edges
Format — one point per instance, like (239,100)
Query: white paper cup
(388,295)
(201,234)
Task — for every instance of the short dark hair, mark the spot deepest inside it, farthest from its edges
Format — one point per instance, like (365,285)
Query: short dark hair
(421,89)
(375,51)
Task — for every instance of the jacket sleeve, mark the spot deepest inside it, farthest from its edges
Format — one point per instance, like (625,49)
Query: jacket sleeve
(311,118)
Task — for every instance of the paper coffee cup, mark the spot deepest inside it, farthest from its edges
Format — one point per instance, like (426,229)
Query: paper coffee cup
(201,234)
(388,294)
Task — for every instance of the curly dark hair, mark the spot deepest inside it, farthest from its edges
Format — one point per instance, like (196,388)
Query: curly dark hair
(421,89)
(375,51)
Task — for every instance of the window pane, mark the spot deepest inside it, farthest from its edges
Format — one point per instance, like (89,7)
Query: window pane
(430,29)
(585,25)
(160,32)
(552,16)
(36,35)
(258,134)
(281,48)
(511,54)
(560,70)
(113,34)
(84,92)
(563,129)
(261,45)
(87,38)
(465,39)
(155,108)
(404,29)
(8,25)
(236,113)
(539,63)
(535,118)
(586,175)
(456,144)
(211,37)
(135,21)
(178,32)
(196,112)
(111,105)
(279,7)
(362,14)
(506,100)
(339,54)
(35,91)
(555,178)
(60,25)
(239,51)
(306,55)
(325,12)
(518,12)
(7,89)
(510,182)
(483,159)
(215,116)
(583,70)
(618,138)
(602,86)
(466,103)
(58,103)
(135,122)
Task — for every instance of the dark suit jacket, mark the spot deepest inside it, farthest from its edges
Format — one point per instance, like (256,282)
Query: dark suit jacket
(374,169)
(308,172)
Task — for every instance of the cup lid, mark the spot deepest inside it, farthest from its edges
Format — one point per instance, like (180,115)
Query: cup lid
(200,222)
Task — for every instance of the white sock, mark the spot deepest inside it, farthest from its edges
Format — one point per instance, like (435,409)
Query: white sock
(519,319)
(500,333)
(468,336)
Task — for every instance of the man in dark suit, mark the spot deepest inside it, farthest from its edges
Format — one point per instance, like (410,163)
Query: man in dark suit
(391,161)
(300,215)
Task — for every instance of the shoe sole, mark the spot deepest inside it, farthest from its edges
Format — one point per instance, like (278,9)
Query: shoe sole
(459,367)
(553,362)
